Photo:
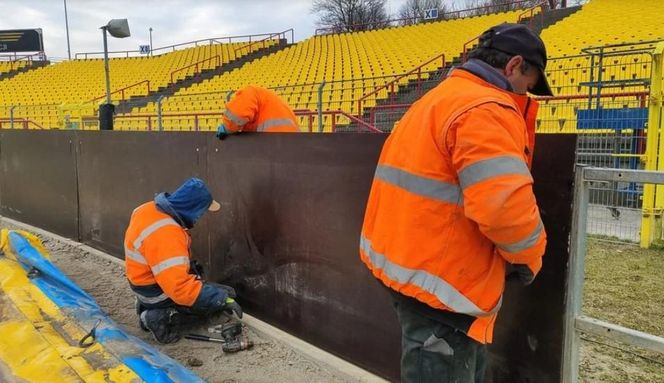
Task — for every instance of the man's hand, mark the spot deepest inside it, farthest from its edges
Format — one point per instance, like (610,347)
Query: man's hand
(231,307)
(221,132)
(521,273)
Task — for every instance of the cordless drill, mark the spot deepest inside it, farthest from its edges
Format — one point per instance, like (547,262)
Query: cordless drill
(234,341)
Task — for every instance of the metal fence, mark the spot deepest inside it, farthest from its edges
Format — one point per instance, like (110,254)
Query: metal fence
(575,321)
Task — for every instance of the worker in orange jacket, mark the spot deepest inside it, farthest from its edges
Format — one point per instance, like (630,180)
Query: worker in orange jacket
(256,109)
(161,273)
(452,214)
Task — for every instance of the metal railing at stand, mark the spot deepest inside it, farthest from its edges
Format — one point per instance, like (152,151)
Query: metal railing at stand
(123,92)
(390,86)
(196,66)
(575,321)
(448,15)
(263,43)
(188,44)
(530,13)
(15,58)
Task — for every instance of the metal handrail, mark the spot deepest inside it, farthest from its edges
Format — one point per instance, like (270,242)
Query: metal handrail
(122,90)
(313,113)
(171,48)
(464,56)
(531,13)
(602,48)
(585,96)
(265,39)
(442,16)
(417,69)
(23,121)
(218,57)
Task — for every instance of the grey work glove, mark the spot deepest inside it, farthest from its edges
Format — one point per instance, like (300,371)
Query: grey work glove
(521,273)
(231,307)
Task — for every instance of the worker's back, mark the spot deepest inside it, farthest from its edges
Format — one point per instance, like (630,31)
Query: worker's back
(256,109)
(157,257)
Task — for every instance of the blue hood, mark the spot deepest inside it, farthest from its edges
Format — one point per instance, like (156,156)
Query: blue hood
(187,204)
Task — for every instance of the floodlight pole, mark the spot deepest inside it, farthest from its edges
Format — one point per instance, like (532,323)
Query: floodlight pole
(106,71)
(67,28)
(150,41)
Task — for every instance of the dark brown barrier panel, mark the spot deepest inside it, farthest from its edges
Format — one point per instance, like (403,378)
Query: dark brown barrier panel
(118,171)
(38,179)
(529,331)
(288,237)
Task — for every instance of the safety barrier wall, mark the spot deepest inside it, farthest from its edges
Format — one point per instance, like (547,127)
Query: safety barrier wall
(287,236)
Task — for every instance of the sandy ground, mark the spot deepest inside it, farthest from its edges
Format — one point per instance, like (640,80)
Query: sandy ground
(267,361)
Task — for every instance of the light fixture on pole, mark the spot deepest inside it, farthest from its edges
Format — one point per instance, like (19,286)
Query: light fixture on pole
(117,28)
(150,41)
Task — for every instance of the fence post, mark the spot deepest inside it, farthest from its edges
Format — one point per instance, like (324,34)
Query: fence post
(653,196)
(11,116)
(575,274)
(320,107)
(160,126)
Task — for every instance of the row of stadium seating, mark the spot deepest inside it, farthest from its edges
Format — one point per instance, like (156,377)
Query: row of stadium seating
(7,66)
(573,73)
(81,81)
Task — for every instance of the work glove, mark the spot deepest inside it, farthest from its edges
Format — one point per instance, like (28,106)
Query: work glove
(521,273)
(221,132)
(231,307)
(229,290)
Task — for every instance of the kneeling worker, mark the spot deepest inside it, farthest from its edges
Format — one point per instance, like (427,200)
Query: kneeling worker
(256,109)
(159,266)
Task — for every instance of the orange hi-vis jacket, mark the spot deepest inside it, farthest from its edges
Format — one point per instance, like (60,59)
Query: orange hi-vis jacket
(452,200)
(157,258)
(256,109)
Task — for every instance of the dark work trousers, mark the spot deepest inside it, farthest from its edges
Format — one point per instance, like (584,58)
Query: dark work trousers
(433,351)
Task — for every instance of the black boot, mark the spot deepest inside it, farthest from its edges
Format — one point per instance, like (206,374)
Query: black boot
(161,324)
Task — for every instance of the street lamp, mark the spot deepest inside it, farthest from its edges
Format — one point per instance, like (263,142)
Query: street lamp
(117,28)
(150,41)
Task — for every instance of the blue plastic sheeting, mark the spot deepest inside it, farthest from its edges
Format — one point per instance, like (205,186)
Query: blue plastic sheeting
(612,118)
(143,359)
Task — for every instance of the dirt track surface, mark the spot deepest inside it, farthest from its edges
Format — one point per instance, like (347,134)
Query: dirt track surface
(268,361)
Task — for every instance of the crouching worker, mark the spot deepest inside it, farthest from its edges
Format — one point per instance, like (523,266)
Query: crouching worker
(159,266)
(256,109)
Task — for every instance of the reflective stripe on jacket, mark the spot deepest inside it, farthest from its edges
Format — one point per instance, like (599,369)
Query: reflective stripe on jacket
(157,258)
(256,109)
(452,200)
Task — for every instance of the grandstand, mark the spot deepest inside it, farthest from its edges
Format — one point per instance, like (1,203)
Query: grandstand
(354,79)
(41,94)
(352,64)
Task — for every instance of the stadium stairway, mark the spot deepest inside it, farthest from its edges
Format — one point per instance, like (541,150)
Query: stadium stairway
(127,106)
(32,65)
(415,89)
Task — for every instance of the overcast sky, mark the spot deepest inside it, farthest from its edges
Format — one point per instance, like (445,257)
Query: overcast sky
(172,21)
